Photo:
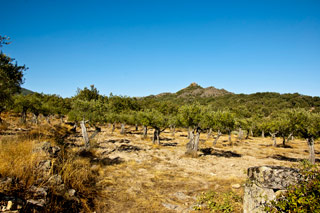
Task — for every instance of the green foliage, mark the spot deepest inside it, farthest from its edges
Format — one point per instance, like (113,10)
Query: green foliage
(152,118)
(87,94)
(306,124)
(221,202)
(11,77)
(190,115)
(94,111)
(303,197)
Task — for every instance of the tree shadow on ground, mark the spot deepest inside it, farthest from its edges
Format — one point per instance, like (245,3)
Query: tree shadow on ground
(116,141)
(169,144)
(134,132)
(128,148)
(285,158)
(107,161)
(220,153)
(166,139)
(284,146)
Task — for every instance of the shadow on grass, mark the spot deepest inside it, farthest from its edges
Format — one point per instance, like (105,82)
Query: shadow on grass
(128,148)
(166,139)
(116,141)
(285,158)
(220,153)
(169,144)
(107,161)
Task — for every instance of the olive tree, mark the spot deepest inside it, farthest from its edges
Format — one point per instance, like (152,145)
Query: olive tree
(221,121)
(190,117)
(307,126)
(145,118)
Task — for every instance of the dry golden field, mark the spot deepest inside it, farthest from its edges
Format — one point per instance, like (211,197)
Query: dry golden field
(134,175)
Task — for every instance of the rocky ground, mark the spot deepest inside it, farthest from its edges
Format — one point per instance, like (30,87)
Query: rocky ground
(134,175)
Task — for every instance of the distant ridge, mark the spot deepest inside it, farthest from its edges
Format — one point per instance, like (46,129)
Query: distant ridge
(25,91)
(195,90)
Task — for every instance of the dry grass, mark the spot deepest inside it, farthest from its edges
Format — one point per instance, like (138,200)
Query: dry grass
(18,161)
(150,178)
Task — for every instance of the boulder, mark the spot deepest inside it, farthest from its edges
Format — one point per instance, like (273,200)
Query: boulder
(264,184)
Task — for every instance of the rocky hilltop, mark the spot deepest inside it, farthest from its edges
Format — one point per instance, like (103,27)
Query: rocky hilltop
(195,90)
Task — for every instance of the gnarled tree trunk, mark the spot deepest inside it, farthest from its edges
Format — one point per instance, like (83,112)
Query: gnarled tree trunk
(189,132)
(35,118)
(193,144)
(217,138)
(262,134)
(156,136)
(123,129)
(85,135)
(273,135)
(209,133)
(113,127)
(145,131)
(312,158)
(173,132)
(23,116)
(290,137)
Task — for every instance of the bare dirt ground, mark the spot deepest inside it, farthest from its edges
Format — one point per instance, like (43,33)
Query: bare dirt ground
(142,177)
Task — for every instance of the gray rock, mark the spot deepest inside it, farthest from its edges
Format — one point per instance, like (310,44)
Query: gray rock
(264,184)
(181,196)
(38,192)
(39,203)
(47,148)
(171,206)
(71,192)
(236,186)
(9,205)
(44,166)
(274,177)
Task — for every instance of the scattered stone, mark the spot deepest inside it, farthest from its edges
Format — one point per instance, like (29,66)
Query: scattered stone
(38,192)
(171,206)
(128,148)
(71,192)
(181,196)
(9,205)
(236,186)
(46,147)
(38,203)
(44,166)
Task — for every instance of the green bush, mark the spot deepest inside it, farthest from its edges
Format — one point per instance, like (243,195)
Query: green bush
(219,202)
(303,197)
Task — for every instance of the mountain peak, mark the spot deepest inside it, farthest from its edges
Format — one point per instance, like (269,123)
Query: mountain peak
(194,84)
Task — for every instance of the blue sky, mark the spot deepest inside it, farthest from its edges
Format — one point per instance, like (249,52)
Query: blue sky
(137,48)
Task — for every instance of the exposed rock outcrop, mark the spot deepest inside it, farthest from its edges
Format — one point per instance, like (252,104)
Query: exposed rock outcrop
(265,183)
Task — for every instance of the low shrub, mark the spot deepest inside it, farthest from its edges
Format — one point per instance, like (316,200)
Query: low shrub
(219,202)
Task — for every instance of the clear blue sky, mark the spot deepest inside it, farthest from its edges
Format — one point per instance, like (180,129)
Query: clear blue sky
(137,48)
